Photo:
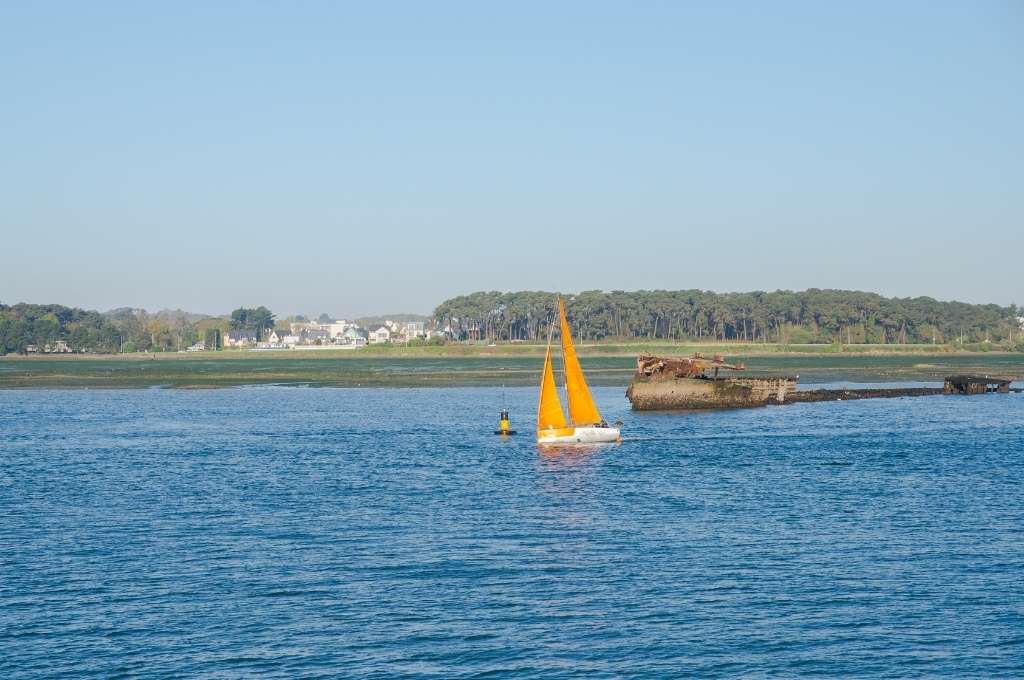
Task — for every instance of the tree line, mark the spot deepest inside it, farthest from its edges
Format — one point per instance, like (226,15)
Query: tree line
(23,325)
(809,316)
(692,315)
(124,329)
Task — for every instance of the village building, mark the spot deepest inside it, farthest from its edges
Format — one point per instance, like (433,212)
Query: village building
(296,327)
(351,333)
(355,336)
(277,337)
(239,338)
(314,336)
(336,329)
(415,329)
(380,335)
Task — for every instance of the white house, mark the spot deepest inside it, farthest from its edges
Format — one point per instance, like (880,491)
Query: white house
(445,333)
(337,329)
(57,347)
(354,335)
(415,329)
(279,337)
(379,334)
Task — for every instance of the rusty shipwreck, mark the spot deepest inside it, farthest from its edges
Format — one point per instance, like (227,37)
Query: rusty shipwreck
(668,383)
(683,383)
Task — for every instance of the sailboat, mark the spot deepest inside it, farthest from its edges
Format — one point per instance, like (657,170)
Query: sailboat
(584,425)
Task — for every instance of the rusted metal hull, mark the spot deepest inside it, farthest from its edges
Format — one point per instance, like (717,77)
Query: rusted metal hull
(699,393)
(973,384)
(707,393)
(683,383)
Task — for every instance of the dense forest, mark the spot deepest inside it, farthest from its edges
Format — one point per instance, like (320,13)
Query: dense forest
(24,325)
(782,316)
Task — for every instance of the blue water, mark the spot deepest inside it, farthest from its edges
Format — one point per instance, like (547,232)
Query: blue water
(344,532)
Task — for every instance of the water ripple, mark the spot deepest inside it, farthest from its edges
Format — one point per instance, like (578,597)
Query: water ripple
(381,533)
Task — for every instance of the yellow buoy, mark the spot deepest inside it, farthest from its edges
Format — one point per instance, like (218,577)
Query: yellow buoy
(504,426)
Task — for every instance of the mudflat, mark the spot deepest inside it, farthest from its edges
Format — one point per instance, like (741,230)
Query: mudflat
(227,369)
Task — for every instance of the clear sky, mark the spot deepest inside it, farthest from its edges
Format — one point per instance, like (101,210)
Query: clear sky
(360,158)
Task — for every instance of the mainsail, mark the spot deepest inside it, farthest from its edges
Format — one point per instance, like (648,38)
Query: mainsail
(549,408)
(582,410)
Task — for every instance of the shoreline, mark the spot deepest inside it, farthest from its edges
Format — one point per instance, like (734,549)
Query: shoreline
(213,370)
(532,351)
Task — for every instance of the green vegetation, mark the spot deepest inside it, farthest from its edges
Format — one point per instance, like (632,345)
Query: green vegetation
(212,338)
(164,331)
(782,317)
(259,320)
(24,326)
(436,347)
(617,323)
(435,341)
(354,369)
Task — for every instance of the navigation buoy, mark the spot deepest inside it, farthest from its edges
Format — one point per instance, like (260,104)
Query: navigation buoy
(504,427)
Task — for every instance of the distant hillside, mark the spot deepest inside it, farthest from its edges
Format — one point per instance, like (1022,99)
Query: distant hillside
(167,315)
(812,315)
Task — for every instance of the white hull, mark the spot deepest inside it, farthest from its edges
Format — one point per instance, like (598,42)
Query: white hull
(583,435)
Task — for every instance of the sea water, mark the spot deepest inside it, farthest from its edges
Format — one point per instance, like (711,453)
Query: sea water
(289,532)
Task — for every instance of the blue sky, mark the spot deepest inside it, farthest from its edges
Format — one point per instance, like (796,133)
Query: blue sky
(362,158)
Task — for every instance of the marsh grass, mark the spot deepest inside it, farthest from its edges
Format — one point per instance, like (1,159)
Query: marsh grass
(397,368)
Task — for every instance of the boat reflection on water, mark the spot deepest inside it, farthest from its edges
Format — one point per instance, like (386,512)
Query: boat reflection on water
(570,479)
(572,454)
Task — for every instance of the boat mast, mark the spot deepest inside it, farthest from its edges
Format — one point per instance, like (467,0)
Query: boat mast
(565,373)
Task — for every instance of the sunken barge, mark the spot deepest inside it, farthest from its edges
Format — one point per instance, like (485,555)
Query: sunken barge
(685,383)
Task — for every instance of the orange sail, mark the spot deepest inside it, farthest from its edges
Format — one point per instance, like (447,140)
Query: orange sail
(549,408)
(582,410)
